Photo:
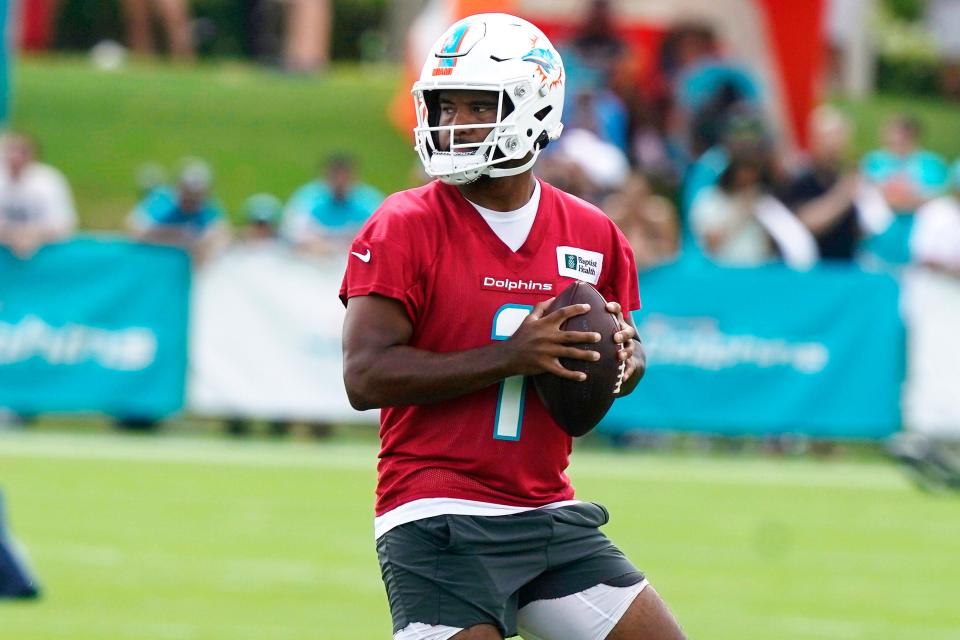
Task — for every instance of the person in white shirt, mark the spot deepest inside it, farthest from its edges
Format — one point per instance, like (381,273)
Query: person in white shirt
(740,223)
(935,240)
(36,206)
(930,442)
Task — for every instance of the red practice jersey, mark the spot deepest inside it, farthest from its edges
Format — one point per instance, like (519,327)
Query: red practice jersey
(462,287)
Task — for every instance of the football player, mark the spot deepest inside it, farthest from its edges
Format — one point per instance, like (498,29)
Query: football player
(478,533)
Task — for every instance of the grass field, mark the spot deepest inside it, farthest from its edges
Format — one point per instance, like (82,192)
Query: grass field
(261,131)
(177,537)
(191,537)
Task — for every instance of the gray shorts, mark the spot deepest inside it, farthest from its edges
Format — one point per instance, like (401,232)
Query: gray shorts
(460,571)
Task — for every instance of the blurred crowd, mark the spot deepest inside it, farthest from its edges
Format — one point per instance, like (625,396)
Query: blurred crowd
(320,218)
(686,162)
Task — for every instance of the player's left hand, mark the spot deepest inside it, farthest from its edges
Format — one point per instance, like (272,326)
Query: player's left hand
(625,337)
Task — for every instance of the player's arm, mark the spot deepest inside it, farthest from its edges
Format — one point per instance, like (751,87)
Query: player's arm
(381,369)
(632,352)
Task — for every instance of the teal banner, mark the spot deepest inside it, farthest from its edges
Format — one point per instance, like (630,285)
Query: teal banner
(766,351)
(94,325)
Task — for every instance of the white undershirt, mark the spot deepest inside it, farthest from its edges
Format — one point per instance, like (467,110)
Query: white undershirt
(430,507)
(512,227)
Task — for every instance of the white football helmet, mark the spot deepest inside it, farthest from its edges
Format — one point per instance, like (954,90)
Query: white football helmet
(499,53)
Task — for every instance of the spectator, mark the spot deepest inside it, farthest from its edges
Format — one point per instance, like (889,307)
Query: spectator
(262,213)
(593,53)
(187,216)
(935,241)
(907,175)
(36,206)
(930,443)
(706,87)
(599,111)
(591,59)
(743,131)
(739,222)
(567,174)
(175,17)
(648,221)
(323,216)
(823,196)
(601,167)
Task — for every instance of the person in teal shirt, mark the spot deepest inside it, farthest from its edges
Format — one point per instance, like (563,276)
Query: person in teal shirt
(187,215)
(324,215)
(907,176)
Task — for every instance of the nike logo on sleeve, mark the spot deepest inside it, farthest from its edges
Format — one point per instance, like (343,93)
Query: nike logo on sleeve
(364,257)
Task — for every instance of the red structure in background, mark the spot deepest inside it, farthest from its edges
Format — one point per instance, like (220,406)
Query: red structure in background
(37,18)
(795,33)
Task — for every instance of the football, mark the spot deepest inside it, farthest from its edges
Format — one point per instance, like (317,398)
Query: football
(578,406)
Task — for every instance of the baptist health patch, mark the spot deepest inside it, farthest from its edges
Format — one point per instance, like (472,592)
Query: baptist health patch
(579,263)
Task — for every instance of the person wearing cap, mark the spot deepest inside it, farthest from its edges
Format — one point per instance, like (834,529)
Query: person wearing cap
(743,128)
(187,215)
(824,195)
(262,213)
(36,206)
(324,215)
(740,222)
(907,174)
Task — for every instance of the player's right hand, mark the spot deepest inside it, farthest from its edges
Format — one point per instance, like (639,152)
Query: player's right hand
(538,343)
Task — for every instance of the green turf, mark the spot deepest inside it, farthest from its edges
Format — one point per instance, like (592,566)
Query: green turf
(153,538)
(261,130)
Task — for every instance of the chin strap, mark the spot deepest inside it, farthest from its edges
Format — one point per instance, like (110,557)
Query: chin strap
(513,171)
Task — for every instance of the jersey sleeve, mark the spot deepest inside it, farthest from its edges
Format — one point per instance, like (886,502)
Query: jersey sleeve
(386,258)
(622,284)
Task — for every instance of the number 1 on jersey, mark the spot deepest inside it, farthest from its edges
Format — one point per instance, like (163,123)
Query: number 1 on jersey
(509,415)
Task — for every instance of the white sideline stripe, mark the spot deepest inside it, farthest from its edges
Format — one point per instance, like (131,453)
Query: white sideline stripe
(675,469)
(187,451)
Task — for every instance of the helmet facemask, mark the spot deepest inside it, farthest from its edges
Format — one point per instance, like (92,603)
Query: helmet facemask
(445,152)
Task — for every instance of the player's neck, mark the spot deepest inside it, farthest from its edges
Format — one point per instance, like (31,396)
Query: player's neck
(500,194)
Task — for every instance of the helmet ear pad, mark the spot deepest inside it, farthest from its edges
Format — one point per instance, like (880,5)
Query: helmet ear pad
(542,141)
